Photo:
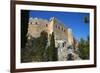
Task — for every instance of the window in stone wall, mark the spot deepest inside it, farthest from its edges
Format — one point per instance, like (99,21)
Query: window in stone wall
(31,23)
(36,23)
(58,27)
(64,30)
(46,25)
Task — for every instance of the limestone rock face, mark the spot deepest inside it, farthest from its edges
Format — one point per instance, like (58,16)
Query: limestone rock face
(63,36)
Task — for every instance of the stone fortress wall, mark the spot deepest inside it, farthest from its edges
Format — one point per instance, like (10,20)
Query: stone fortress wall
(63,36)
(37,25)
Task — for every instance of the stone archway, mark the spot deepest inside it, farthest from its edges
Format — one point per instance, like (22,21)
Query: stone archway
(70,57)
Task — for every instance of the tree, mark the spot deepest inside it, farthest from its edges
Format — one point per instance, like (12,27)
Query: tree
(84,48)
(43,39)
(35,48)
(51,50)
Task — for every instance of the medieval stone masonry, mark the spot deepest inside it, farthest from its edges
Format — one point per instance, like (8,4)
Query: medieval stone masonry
(65,42)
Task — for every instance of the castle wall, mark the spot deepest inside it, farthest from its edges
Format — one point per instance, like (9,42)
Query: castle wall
(36,26)
(59,30)
(62,35)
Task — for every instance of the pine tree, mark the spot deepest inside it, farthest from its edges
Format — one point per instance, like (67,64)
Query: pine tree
(84,48)
(52,51)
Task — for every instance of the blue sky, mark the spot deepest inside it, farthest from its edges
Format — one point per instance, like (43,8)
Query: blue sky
(73,20)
